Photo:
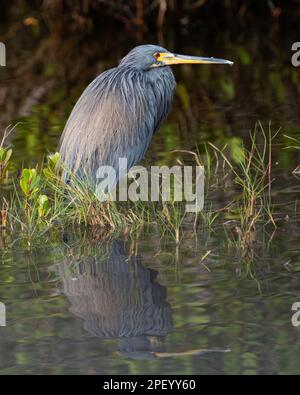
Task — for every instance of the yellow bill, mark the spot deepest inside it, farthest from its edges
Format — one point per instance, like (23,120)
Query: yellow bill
(169,58)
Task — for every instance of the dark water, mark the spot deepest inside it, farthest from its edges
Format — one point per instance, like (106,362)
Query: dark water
(81,304)
(95,307)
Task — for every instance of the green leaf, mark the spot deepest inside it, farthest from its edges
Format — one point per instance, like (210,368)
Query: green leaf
(32,177)
(42,200)
(26,175)
(2,154)
(30,182)
(43,203)
(24,186)
(8,156)
(55,158)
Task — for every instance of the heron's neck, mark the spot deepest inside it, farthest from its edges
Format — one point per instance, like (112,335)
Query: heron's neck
(160,72)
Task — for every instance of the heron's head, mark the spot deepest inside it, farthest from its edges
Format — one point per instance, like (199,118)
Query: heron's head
(147,57)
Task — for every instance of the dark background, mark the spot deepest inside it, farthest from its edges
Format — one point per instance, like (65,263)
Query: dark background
(55,48)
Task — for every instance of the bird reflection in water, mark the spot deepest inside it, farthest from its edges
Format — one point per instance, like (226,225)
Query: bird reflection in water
(117,297)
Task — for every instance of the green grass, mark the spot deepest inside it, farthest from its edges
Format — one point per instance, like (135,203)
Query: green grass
(253,177)
(40,200)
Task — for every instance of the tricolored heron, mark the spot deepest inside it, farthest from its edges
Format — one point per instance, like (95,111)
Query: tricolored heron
(118,113)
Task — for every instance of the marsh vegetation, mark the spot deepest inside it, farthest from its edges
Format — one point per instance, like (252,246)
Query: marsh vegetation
(221,280)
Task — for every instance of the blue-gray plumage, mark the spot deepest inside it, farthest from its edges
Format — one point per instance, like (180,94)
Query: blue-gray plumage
(118,113)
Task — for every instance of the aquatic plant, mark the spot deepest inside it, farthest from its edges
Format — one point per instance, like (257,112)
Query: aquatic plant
(253,176)
(41,200)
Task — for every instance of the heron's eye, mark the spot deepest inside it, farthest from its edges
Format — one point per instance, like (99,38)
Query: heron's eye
(157,55)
